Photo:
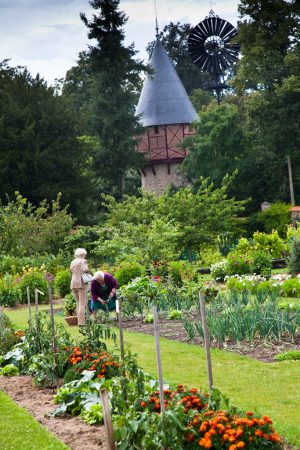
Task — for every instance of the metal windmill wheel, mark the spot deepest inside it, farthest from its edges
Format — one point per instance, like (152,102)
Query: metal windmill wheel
(209,45)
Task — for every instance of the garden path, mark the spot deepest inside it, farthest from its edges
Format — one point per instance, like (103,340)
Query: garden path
(39,402)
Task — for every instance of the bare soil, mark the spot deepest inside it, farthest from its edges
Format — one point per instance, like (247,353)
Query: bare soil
(39,402)
(257,349)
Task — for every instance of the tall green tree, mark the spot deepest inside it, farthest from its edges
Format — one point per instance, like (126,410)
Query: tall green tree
(268,82)
(40,154)
(103,88)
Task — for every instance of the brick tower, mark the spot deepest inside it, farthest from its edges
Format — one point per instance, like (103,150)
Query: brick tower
(166,113)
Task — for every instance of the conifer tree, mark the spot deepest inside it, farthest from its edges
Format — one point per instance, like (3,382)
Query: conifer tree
(115,79)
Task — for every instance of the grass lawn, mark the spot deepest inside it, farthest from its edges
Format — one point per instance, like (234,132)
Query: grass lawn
(269,388)
(19,430)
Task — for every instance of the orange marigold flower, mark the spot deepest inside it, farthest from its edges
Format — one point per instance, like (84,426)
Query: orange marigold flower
(190,437)
(258,433)
(240,444)
(193,390)
(232,447)
(143,404)
(249,413)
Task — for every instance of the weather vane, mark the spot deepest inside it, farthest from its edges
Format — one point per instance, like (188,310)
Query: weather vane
(157,31)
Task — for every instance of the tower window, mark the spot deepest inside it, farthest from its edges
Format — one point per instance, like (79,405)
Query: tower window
(156,129)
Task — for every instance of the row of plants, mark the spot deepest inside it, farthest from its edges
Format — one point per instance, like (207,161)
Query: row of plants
(191,418)
(240,316)
(283,284)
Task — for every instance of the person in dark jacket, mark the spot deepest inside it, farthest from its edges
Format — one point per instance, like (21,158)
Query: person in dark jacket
(103,292)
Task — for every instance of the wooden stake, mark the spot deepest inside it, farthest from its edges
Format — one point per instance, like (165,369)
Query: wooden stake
(206,339)
(107,419)
(119,312)
(158,360)
(52,320)
(87,310)
(36,301)
(292,195)
(29,306)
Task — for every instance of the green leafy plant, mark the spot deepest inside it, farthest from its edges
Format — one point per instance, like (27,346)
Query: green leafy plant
(261,263)
(62,283)
(70,305)
(93,415)
(292,355)
(175,314)
(9,370)
(148,318)
(219,271)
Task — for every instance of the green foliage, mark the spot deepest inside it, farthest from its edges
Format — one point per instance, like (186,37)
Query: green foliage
(93,415)
(102,87)
(8,291)
(184,220)
(294,259)
(62,283)
(39,149)
(149,318)
(94,335)
(70,305)
(269,243)
(238,264)
(276,217)
(34,280)
(292,355)
(291,287)
(175,314)
(209,255)
(261,263)
(9,370)
(127,271)
(8,337)
(181,272)
(29,230)
(138,295)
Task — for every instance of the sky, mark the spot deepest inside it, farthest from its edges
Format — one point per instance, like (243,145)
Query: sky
(47,35)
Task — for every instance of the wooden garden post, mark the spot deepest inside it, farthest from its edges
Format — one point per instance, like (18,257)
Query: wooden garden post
(206,339)
(29,306)
(87,310)
(107,419)
(158,360)
(119,312)
(52,320)
(36,301)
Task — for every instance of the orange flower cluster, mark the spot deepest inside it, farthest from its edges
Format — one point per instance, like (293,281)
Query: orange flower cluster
(190,399)
(221,430)
(102,363)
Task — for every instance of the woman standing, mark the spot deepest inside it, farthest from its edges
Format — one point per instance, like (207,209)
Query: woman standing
(103,292)
(79,266)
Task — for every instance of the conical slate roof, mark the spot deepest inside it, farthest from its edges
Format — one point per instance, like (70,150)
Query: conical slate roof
(163,99)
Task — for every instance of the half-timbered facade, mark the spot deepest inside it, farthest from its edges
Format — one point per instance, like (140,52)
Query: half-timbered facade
(166,114)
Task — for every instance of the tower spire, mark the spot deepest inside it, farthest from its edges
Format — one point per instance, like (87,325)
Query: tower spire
(156,21)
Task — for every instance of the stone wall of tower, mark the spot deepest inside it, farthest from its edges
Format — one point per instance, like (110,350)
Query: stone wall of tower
(158,177)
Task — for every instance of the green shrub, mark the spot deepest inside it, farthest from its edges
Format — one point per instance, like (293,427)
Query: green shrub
(238,264)
(8,291)
(70,305)
(291,287)
(294,259)
(261,263)
(209,255)
(62,282)
(276,217)
(128,271)
(181,272)
(292,355)
(35,280)
(270,243)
